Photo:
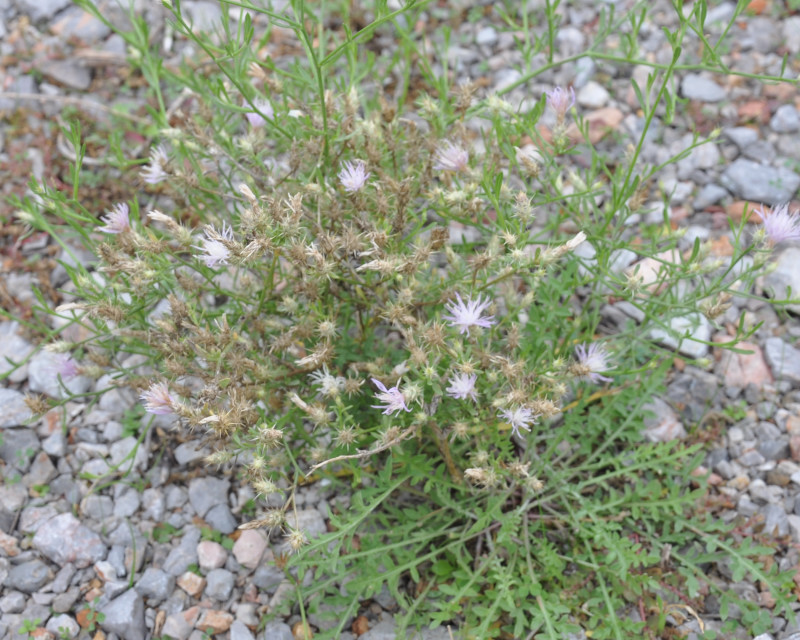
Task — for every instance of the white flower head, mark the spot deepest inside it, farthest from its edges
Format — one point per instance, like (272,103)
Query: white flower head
(214,248)
(117,220)
(462,386)
(392,399)
(468,314)
(594,359)
(329,385)
(451,157)
(154,172)
(519,418)
(158,399)
(780,224)
(353,176)
(255,118)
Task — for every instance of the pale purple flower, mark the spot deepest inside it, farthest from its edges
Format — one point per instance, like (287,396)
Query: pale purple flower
(66,367)
(158,400)
(780,224)
(255,118)
(595,359)
(117,220)
(214,249)
(154,172)
(462,386)
(560,101)
(468,314)
(392,399)
(353,175)
(451,157)
(519,418)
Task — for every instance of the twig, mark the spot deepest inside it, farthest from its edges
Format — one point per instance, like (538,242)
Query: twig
(367,453)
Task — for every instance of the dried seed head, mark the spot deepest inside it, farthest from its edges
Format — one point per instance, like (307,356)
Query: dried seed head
(270,437)
(460,430)
(296,539)
(346,436)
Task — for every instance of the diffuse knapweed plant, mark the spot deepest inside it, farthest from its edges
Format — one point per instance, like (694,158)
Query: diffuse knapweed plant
(326,287)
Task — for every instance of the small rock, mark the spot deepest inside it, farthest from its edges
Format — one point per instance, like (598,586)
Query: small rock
(43,377)
(184,555)
(215,621)
(97,507)
(42,9)
(786,119)
(239,631)
(685,333)
(211,555)
(741,369)
(13,602)
(41,472)
(18,446)
(794,526)
(776,521)
(219,584)
(221,519)
(593,95)
(205,493)
(188,452)
(783,358)
(276,630)
(77,23)
(55,444)
(760,183)
(153,505)
(69,74)
(268,576)
(64,539)
(177,627)
(63,624)
(249,548)
(742,137)
(28,576)
(384,630)
(486,37)
(697,87)
(192,584)
(664,426)
(129,451)
(708,195)
(124,616)
(14,348)
(126,502)
(785,275)
(155,584)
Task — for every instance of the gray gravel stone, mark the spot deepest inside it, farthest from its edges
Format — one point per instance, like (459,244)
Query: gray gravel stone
(783,359)
(42,9)
(43,377)
(760,183)
(18,446)
(742,137)
(13,602)
(28,576)
(55,444)
(76,23)
(205,493)
(219,584)
(708,195)
(63,624)
(308,520)
(155,584)
(16,349)
(64,539)
(153,504)
(775,520)
(785,275)
(239,631)
(384,630)
(486,37)
(188,452)
(121,449)
(184,554)
(127,502)
(786,119)
(97,507)
(268,576)
(697,87)
(279,631)
(221,519)
(124,616)
(694,325)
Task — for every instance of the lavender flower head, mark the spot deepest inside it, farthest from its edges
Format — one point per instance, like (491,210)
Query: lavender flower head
(451,157)
(560,101)
(392,399)
(593,359)
(117,220)
(780,224)
(154,172)
(214,249)
(519,418)
(66,367)
(255,119)
(353,175)
(462,386)
(468,314)
(158,400)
